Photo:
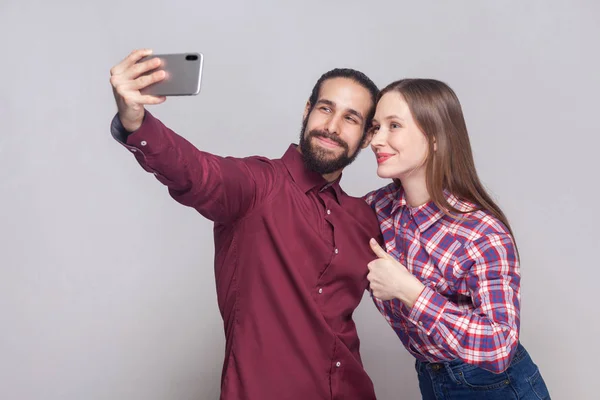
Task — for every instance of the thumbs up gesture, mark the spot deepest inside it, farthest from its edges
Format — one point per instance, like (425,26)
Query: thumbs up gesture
(391,280)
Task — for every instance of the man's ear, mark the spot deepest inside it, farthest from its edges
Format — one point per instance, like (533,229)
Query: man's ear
(306,110)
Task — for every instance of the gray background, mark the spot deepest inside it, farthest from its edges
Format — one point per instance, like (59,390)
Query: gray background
(106,284)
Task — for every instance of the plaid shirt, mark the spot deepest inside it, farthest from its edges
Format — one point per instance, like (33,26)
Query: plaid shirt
(469,309)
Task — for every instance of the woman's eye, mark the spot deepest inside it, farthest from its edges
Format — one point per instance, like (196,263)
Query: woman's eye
(395,126)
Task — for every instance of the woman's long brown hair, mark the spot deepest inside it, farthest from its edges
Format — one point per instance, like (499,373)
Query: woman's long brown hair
(438,113)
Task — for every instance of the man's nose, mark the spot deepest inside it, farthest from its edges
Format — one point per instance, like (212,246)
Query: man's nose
(333,125)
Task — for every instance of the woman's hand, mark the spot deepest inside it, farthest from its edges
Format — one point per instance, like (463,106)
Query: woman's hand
(389,279)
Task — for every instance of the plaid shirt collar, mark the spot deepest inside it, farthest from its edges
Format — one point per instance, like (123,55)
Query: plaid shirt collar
(424,215)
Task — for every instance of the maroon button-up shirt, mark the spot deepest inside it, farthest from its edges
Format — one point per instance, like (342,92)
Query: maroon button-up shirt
(291,254)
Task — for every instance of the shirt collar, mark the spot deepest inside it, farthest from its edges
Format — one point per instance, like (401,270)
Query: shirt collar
(397,197)
(426,214)
(305,178)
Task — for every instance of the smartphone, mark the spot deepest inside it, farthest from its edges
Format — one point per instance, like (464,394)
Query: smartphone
(183,74)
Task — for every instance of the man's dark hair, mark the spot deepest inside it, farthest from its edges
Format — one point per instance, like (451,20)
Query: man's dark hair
(357,77)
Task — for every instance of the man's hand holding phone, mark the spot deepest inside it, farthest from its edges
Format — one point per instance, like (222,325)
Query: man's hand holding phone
(128,79)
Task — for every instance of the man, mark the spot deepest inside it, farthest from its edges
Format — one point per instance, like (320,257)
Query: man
(291,248)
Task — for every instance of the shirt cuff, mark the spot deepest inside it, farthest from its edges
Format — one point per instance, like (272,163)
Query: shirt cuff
(117,130)
(149,139)
(427,310)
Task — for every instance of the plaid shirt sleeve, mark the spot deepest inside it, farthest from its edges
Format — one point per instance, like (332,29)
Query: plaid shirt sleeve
(487,335)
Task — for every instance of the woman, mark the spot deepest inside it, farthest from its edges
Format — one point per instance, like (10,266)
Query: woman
(449,283)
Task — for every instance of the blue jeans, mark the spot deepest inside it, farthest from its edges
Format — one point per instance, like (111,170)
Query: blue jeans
(458,380)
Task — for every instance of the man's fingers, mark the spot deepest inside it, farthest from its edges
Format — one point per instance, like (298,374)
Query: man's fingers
(133,99)
(379,252)
(148,99)
(147,80)
(130,60)
(128,91)
(137,69)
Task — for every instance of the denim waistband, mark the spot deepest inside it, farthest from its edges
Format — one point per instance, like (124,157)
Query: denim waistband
(520,353)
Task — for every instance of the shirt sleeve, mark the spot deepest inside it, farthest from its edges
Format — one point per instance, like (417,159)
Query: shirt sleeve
(222,189)
(487,335)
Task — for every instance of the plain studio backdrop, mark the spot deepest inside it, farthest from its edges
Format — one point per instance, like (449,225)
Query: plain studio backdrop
(107,284)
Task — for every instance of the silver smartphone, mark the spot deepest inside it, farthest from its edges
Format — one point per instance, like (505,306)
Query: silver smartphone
(183,75)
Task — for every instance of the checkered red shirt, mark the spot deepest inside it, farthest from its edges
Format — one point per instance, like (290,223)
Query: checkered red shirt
(469,309)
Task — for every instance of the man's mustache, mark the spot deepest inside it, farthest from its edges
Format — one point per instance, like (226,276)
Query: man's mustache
(330,136)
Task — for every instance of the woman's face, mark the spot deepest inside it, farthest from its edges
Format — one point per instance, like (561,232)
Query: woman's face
(399,145)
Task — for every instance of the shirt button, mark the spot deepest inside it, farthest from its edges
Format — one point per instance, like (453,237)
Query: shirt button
(328,212)
(420,323)
(338,364)
(336,251)
(404,224)
(143,143)
(320,290)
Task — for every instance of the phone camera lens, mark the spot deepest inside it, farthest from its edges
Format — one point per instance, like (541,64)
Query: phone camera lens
(191,57)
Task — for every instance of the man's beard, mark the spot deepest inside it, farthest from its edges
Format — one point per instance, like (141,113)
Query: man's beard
(321,160)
